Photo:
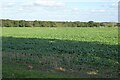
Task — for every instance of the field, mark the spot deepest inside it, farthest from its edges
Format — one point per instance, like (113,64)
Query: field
(60,52)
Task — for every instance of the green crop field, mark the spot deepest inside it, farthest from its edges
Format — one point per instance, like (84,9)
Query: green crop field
(60,52)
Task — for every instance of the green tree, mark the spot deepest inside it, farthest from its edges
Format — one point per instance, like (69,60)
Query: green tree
(28,24)
(22,23)
(7,23)
(96,24)
(90,24)
(36,23)
(16,23)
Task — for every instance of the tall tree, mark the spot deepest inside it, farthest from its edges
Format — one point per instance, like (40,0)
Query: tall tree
(90,24)
(22,23)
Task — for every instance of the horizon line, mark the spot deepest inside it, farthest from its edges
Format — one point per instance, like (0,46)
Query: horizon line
(61,20)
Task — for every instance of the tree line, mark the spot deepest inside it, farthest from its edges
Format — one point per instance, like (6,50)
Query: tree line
(23,23)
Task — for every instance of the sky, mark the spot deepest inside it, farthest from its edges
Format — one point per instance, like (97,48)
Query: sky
(60,10)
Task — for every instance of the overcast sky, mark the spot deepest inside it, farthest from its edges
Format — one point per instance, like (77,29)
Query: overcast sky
(60,10)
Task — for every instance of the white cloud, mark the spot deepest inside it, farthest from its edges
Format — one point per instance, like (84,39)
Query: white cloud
(90,0)
(20,9)
(75,9)
(48,3)
(114,5)
(11,3)
(8,5)
(101,10)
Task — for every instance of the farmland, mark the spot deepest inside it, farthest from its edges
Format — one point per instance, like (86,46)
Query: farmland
(78,52)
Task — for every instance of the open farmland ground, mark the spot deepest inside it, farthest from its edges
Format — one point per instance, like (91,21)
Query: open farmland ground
(60,52)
